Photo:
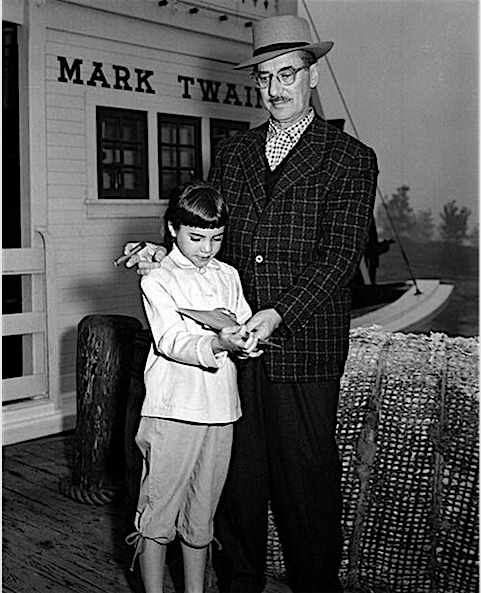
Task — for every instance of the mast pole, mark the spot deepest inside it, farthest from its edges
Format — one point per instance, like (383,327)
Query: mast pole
(356,133)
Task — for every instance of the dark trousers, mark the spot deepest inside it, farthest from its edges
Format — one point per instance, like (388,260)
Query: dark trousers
(284,451)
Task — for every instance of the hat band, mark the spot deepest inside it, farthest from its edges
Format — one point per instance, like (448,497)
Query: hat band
(277,46)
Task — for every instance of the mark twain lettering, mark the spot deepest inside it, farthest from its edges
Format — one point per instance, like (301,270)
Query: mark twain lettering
(136,79)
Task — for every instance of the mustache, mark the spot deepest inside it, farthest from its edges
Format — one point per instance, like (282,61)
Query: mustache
(278,99)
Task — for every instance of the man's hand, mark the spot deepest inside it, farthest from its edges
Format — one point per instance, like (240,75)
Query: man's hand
(147,259)
(236,339)
(264,323)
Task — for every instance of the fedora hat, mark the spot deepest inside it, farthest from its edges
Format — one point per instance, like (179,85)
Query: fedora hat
(278,35)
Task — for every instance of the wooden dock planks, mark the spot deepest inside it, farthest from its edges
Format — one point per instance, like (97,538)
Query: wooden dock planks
(52,544)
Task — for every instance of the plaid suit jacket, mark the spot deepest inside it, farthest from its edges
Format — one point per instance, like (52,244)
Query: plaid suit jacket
(298,252)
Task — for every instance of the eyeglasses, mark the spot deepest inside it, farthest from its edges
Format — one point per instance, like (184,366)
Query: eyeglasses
(286,76)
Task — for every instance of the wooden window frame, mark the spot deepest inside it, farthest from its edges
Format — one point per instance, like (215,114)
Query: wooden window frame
(138,145)
(195,172)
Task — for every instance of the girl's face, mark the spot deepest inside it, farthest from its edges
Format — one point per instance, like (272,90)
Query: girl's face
(198,245)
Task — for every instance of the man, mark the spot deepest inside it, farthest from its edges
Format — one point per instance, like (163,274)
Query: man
(374,249)
(300,194)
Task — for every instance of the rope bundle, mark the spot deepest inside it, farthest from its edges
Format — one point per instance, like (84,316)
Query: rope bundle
(407,435)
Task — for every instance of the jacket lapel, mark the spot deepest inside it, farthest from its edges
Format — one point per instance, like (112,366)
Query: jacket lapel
(252,158)
(307,156)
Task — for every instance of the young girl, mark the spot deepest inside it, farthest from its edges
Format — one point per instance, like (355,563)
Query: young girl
(191,402)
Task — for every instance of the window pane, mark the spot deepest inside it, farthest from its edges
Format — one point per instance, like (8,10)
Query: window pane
(168,134)
(129,180)
(186,134)
(187,157)
(130,130)
(110,129)
(108,156)
(168,157)
(107,180)
(169,183)
(129,157)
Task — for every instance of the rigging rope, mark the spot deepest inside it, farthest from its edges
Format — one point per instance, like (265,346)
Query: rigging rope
(356,133)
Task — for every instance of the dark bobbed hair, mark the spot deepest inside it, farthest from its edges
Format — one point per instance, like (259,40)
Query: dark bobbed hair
(197,204)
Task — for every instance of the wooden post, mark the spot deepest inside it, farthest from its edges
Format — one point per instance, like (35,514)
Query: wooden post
(104,352)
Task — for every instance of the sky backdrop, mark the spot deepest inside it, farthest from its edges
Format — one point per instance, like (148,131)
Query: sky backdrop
(408,72)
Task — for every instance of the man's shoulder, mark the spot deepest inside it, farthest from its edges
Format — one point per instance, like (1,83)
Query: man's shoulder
(245,137)
(333,135)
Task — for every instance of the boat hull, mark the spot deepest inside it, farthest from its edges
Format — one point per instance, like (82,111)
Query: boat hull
(416,304)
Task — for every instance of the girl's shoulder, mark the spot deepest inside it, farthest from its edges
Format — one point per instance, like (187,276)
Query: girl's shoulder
(160,274)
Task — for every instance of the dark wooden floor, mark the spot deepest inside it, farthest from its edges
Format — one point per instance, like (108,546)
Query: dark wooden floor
(53,544)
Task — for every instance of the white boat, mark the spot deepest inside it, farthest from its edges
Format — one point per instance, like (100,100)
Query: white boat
(402,306)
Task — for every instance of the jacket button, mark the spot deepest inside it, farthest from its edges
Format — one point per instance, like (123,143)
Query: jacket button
(259,259)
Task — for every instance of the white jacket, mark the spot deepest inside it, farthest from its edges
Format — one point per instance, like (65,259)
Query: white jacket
(184,379)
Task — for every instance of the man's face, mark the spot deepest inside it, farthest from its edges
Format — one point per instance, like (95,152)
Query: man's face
(288,104)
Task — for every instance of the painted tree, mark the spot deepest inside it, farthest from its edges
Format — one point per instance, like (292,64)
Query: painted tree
(473,236)
(454,223)
(423,229)
(399,213)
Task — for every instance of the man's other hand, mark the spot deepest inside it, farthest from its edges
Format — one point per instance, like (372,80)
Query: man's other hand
(264,322)
(147,259)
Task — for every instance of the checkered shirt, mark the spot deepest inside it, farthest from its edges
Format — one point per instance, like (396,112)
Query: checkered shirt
(281,141)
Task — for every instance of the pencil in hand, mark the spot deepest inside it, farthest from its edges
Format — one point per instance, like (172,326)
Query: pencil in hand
(123,258)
